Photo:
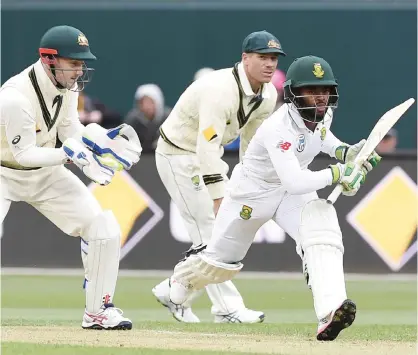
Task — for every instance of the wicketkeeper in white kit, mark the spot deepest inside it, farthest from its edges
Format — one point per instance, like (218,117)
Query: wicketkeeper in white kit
(212,112)
(273,182)
(38,104)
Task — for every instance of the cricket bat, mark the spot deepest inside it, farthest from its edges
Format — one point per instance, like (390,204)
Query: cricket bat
(385,123)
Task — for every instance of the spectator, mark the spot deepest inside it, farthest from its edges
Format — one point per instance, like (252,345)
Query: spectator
(94,111)
(389,142)
(148,114)
(278,79)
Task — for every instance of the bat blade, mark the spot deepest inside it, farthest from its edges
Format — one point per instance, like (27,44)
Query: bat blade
(382,127)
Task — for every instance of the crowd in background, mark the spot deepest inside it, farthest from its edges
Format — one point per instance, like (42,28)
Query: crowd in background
(149,111)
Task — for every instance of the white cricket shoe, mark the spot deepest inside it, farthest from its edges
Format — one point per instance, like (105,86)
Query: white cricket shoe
(330,326)
(241,316)
(109,317)
(179,312)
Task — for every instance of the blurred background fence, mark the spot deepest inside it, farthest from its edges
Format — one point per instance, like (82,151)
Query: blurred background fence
(378,225)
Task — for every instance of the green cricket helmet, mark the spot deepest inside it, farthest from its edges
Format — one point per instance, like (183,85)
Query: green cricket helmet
(67,42)
(310,71)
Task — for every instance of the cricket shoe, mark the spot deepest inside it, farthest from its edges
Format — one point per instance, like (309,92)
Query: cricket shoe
(241,316)
(179,312)
(109,318)
(330,326)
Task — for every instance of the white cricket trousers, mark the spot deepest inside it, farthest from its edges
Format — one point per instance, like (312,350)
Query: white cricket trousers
(248,204)
(55,192)
(189,193)
(245,208)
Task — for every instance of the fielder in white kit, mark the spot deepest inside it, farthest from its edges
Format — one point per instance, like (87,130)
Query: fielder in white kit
(36,106)
(212,112)
(274,182)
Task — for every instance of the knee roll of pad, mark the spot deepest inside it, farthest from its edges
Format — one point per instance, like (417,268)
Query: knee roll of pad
(104,226)
(197,271)
(319,225)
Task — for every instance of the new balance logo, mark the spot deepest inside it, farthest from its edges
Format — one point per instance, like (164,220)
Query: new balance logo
(284,145)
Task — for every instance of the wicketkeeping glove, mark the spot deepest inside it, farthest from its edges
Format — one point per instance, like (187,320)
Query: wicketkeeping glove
(96,168)
(120,144)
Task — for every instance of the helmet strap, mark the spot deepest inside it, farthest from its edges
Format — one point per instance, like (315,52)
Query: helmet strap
(58,84)
(50,60)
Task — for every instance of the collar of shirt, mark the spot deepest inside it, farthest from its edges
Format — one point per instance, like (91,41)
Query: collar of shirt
(49,90)
(295,116)
(246,86)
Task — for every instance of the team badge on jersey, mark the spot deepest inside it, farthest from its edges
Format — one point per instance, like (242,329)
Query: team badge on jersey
(246,212)
(323,133)
(301,143)
(196,182)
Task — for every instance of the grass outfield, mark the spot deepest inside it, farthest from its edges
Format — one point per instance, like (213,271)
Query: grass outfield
(42,315)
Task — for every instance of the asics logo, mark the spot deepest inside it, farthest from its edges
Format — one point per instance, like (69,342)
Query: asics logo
(97,318)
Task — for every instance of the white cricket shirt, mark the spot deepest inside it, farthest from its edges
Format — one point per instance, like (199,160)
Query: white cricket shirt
(32,113)
(283,147)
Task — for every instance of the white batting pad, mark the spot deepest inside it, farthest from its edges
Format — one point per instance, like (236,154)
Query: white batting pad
(323,248)
(197,271)
(326,278)
(319,225)
(84,246)
(103,236)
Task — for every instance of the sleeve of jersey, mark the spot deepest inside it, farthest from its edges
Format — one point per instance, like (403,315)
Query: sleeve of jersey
(331,143)
(20,129)
(71,127)
(295,180)
(212,122)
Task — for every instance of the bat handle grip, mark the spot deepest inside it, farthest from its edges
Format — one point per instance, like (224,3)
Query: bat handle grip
(333,196)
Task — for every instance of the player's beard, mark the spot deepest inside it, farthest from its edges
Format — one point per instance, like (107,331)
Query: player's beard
(312,114)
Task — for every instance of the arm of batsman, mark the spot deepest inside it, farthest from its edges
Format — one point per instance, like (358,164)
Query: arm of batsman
(96,168)
(120,144)
(347,154)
